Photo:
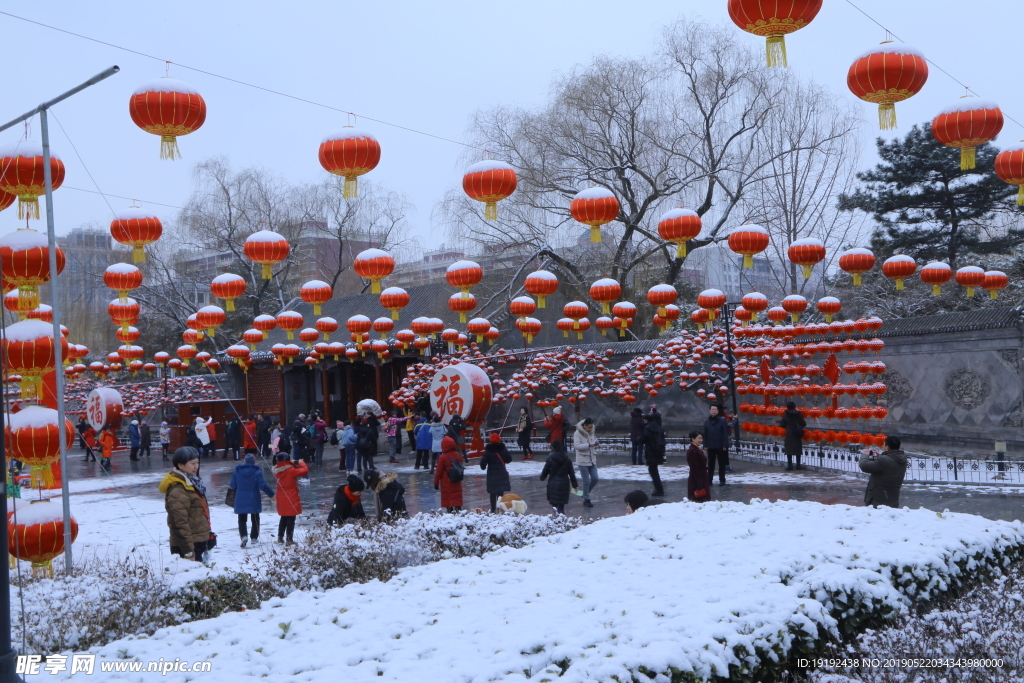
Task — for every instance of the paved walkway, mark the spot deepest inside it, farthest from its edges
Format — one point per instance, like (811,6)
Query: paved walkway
(618,477)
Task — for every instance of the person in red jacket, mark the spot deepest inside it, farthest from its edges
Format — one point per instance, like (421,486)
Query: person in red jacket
(249,435)
(89,436)
(289,506)
(451,492)
(555,425)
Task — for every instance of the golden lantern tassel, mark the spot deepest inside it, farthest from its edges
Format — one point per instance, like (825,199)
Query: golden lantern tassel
(970,292)
(856,280)
(252,347)
(291,335)
(565,333)
(828,317)
(936,290)
(316,309)
(351,188)
(775,50)
(579,335)
(622,333)
(394,315)
(42,570)
(138,255)
(42,477)
(680,249)
(462,317)
(169,148)
(491,342)
(12,561)
(595,233)
(230,305)
(375,288)
(28,207)
(887,116)
(807,272)
(899,286)
(491,211)
(606,307)
(748,261)
(967,158)
(993,294)
(1020,196)
(267,273)
(540,301)
(266,333)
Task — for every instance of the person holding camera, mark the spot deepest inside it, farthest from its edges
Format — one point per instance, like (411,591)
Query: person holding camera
(887,471)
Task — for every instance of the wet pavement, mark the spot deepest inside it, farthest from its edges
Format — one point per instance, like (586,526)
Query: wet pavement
(618,477)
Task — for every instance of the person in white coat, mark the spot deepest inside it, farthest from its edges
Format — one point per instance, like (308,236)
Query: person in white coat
(585,441)
(202,434)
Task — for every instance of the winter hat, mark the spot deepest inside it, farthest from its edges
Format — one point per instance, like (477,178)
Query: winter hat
(636,500)
(163,424)
(355,484)
(135,422)
(250,459)
(280,457)
(447,444)
(557,410)
(495,437)
(372,479)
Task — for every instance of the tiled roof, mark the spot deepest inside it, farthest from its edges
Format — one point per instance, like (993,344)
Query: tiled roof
(944,323)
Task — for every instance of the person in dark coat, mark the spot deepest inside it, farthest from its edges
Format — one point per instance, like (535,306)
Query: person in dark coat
(134,440)
(654,449)
(80,428)
(348,502)
(192,439)
(145,439)
(716,440)
(493,461)
(794,423)
(388,494)
(367,434)
(524,430)
(699,481)
(654,413)
(556,425)
(232,437)
(456,426)
(560,473)
(247,481)
(887,472)
(263,428)
(636,436)
(421,432)
(451,491)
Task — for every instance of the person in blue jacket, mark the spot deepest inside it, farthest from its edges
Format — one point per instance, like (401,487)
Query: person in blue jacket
(424,443)
(134,440)
(246,483)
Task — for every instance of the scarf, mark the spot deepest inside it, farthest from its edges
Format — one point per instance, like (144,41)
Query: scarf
(198,484)
(352,497)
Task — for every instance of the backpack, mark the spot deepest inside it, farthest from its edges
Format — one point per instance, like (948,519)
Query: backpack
(456,472)
(365,442)
(311,431)
(334,438)
(284,443)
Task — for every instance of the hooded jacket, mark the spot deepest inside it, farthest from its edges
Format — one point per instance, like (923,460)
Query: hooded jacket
(584,443)
(556,427)
(437,436)
(559,472)
(422,434)
(636,425)
(201,430)
(451,492)
(287,498)
(389,496)
(134,436)
(887,472)
(248,481)
(493,461)
(794,423)
(187,515)
(654,443)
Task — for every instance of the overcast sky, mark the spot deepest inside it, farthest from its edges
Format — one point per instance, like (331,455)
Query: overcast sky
(424,65)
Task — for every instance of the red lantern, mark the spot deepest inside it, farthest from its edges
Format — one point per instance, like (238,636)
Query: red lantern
(461,303)
(210,318)
(541,284)
(661,296)
(885,75)
(828,306)
(711,300)
(604,323)
(777,314)
(316,292)
(265,323)
(394,299)
(128,352)
(310,335)
(291,352)
(28,349)
(135,227)
(326,327)
(124,312)
(21,174)
(970,277)
(228,287)
(6,199)
(772,21)
(359,326)
(1010,168)
(529,327)
(383,325)
(936,274)
(38,536)
(42,312)
(492,335)
(700,317)
(794,304)
(266,248)
(463,275)
(605,291)
(33,438)
(149,368)
(994,281)
(252,337)
(289,321)
(489,182)
(25,261)
(565,325)
(350,153)
(671,312)
(374,265)
(679,226)
(967,124)
(748,240)
(595,206)
(479,327)
(577,311)
(856,262)
(169,108)
(122,278)
(807,252)
(755,302)
(899,268)
(162,357)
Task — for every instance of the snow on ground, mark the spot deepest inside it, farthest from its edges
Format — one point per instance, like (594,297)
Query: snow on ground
(676,585)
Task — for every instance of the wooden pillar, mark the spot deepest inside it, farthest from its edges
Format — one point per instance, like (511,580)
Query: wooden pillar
(351,392)
(378,383)
(280,395)
(323,389)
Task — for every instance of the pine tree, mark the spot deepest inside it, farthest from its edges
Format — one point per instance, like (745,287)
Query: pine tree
(926,207)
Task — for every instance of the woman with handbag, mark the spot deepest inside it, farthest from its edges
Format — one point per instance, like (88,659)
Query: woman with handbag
(524,430)
(698,486)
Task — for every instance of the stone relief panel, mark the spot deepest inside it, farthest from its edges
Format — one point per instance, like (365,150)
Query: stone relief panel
(1010,357)
(898,390)
(1016,416)
(966,388)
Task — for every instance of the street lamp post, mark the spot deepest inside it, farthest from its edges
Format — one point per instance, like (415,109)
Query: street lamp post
(727,313)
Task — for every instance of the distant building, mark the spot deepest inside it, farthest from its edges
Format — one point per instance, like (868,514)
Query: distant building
(430,269)
(721,268)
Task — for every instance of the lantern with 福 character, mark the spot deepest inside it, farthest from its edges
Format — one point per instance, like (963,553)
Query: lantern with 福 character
(266,248)
(317,293)
(36,534)
(541,284)
(489,181)
(595,206)
(773,21)
(394,299)
(136,228)
(349,153)
(373,265)
(994,281)
(25,261)
(122,278)
(169,108)
(748,240)
(21,174)
(885,75)
(967,124)
(228,287)
(936,274)
(679,226)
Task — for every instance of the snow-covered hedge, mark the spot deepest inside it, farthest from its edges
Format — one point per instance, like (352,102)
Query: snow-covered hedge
(677,592)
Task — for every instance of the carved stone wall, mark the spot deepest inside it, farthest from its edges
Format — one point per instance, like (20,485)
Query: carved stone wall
(966,388)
